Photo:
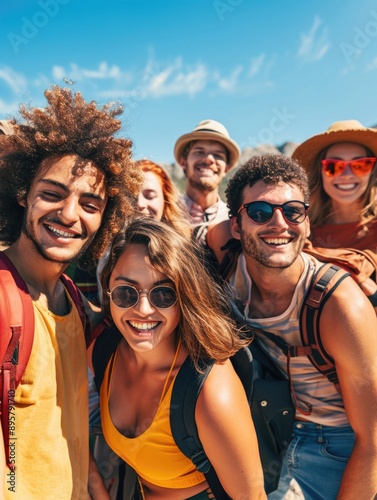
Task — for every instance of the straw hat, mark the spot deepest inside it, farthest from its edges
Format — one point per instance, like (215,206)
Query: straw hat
(343,131)
(209,130)
(6,127)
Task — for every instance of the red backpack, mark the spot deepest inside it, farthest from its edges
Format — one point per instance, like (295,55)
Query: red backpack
(16,338)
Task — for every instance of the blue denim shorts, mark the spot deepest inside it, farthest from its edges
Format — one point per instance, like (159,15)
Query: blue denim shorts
(317,457)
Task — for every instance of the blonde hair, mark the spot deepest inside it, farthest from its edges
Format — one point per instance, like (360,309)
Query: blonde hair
(205,327)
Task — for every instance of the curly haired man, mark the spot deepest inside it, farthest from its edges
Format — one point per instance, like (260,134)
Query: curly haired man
(66,185)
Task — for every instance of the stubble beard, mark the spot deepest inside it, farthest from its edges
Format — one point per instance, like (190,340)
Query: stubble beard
(251,249)
(203,186)
(28,231)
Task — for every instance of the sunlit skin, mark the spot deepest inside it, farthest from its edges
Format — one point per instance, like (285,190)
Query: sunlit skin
(143,326)
(205,167)
(345,189)
(63,209)
(277,243)
(150,200)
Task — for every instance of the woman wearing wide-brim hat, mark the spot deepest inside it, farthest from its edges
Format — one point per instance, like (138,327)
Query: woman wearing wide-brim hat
(341,165)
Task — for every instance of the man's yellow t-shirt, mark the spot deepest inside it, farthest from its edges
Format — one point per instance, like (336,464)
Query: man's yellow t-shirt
(50,440)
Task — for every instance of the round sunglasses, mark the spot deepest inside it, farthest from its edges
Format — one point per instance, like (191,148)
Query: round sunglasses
(360,166)
(125,296)
(261,212)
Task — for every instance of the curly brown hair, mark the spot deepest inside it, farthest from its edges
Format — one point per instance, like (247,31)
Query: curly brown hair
(270,169)
(68,125)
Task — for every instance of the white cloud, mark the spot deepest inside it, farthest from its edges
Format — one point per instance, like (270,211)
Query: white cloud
(15,81)
(230,83)
(103,72)
(314,44)
(175,79)
(256,65)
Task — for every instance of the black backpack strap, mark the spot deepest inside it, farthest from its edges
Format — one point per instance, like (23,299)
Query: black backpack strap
(103,348)
(324,282)
(187,386)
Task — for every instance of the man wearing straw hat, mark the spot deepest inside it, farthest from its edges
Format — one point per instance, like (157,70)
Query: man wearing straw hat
(206,155)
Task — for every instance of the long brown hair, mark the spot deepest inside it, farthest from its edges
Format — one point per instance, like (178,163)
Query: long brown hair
(205,327)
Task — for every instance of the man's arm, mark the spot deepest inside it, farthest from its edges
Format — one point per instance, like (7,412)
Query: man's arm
(348,329)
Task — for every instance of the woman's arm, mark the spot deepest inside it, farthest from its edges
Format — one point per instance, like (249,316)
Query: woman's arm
(227,433)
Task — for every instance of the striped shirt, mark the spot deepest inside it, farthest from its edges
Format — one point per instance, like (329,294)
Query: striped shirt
(309,384)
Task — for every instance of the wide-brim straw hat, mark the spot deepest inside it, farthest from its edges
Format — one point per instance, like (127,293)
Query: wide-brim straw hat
(342,131)
(209,130)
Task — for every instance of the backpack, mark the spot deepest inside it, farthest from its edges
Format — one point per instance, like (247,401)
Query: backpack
(16,339)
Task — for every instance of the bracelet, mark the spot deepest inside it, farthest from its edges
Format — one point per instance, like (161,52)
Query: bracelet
(373,299)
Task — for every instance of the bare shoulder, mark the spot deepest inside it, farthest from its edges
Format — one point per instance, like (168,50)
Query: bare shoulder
(347,315)
(221,391)
(217,235)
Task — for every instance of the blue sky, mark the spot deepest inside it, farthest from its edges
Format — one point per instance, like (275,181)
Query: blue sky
(270,71)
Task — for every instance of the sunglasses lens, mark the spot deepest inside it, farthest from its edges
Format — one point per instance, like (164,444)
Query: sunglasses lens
(260,212)
(360,167)
(124,296)
(163,297)
(333,167)
(363,166)
(294,212)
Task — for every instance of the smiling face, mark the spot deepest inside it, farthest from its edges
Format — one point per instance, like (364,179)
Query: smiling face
(64,208)
(206,165)
(277,243)
(345,189)
(150,200)
(143,326)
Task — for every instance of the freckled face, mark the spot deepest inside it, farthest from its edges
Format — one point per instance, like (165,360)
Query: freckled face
(143,326)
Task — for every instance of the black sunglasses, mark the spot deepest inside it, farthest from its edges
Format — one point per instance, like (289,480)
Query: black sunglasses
(126,296)
(261,212)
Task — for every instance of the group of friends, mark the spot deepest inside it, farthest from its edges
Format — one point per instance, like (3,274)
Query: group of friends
(73,200)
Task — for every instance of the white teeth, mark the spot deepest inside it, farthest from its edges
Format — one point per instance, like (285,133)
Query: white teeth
(61,233)
(346,187)
(277,241)
(143,326)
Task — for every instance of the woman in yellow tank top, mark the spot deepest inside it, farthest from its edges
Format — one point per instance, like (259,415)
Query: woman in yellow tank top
(167,307)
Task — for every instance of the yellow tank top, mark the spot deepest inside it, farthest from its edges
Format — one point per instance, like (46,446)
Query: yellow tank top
(51,413)
(153,455)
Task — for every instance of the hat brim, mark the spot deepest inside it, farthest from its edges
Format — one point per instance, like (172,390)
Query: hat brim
(231,146)
(307,152)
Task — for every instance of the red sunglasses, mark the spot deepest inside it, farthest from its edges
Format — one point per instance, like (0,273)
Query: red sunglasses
(360,167)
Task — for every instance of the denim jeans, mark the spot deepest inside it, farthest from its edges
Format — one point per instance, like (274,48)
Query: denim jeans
(284,483)
(317,457)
